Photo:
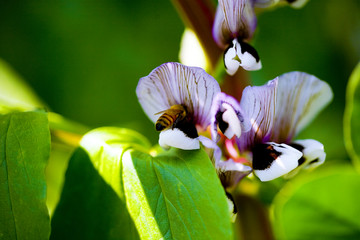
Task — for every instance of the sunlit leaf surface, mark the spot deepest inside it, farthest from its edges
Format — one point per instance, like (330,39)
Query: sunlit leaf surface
(352,117)
(24,152)
(115,189)
(15,93)
(321,206)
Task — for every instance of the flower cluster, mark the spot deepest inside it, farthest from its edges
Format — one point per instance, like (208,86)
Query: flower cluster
(256,134)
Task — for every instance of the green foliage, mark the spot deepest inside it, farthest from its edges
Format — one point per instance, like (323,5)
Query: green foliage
(322,205)
(24,152)
(15,94)
(352,116)
(115,189)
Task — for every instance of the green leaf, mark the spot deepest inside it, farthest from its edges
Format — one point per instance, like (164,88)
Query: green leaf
(322,206)
(115,189)
(25,148)
(15,94)
(352,116)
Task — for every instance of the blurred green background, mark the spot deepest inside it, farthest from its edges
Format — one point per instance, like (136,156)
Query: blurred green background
(84,58)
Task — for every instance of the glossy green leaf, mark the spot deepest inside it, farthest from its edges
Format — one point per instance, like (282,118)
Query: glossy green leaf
(15,94)
(352,116)
(24,152)
(115,189)
(324,205)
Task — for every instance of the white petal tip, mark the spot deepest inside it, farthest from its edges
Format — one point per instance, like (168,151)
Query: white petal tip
(176,138)
(252,64)
(230,61)
(313,151)
(233,121)
(241,54)
(273,160)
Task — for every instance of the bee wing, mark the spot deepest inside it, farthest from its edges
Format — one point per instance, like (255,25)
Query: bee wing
(160,112)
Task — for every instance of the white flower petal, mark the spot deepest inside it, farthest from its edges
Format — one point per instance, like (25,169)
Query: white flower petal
(233,19)
(258,104)
(313,155)
(231,60)
(241,54)
(228,116)
(173,83)
(300,97)
(313,151)
(178,139)
(272,160)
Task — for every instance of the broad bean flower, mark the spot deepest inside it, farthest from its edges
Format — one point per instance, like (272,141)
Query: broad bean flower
(234,26)
(277,112)
(173,85)
(257,134)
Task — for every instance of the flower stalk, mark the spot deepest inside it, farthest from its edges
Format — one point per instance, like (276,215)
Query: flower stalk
(198,15)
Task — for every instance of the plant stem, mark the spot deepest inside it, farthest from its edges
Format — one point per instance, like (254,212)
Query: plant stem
(198,15)
(234,85)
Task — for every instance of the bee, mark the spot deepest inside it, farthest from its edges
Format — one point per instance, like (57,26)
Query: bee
(170,117)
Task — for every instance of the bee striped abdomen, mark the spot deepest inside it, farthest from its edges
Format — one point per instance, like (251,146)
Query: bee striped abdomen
(164,121)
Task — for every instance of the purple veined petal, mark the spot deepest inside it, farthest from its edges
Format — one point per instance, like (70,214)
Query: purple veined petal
(228,116)
(258,104)
(233,19)
(272,160)
(231,172)
(173,83)
(300,97)
(178,139)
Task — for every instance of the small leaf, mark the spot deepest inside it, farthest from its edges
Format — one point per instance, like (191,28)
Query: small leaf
(24,152)
(115,189)
(352,116)
(323,206)
(15,94)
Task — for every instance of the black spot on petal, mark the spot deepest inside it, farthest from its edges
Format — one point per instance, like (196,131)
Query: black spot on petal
(314,161)
(222,124)
(187,127)
(245,47)
(297,146)
(263,156)
(301,161)
(300,148)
